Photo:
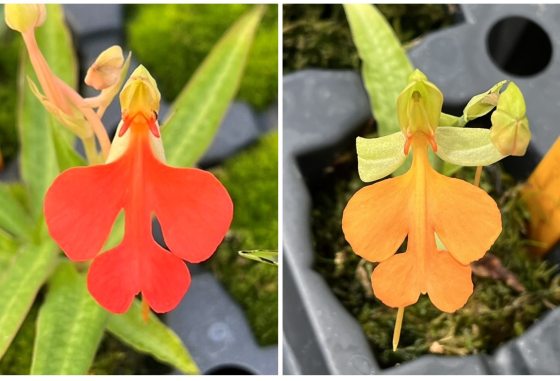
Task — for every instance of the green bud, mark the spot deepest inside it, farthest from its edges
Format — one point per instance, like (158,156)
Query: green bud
(510,131)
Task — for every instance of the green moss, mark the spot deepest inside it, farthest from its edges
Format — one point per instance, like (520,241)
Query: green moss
(252,180)
(318,36)
(173,39)
(9,46)
(494,314)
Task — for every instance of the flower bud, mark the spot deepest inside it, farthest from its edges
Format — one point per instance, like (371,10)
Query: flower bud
(106,70)
(23,17)
(419,105)
(510,131)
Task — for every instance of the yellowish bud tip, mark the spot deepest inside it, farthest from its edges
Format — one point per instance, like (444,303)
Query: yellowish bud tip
(106,70)
(24,17)
(140,94)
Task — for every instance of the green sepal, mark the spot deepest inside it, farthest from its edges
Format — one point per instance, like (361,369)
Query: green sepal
(379,157)
(466,146)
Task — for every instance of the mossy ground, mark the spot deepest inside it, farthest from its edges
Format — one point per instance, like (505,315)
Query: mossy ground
(495,312)
(318,35)
(252,181)
(172,40)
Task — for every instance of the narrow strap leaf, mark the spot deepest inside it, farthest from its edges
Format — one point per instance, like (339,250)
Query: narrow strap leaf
(152,337)
(13,217)
(70,326)
(385,65)
(196,114)
(466,146)
(379,157)
(20,285)
(66,155)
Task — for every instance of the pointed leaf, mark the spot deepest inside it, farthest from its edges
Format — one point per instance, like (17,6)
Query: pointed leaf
(385,65)
(13,217)
(152,337)
(20,285)
(270,257)
(66,155)
(379,157)
(466,146)
(197,112)
(70,325)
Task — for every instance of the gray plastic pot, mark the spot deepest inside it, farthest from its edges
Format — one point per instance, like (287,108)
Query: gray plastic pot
(322,111)
(208,320)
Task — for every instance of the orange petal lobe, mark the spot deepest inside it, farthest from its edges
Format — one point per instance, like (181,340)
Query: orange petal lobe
(449,282)
(395,281)
(163,268)
(113,280)
(80,221)
(374,221)
(193,208)
(465,217)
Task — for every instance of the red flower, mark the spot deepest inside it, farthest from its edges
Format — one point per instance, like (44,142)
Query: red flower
(192,206)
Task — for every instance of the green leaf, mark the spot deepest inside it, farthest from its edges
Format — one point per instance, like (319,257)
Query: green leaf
(13,217)
(20,285)
(385,65)
(152,337)
(379,157)
(8,250)
(466,146)
(38,158)
(66,155)
(196,114)
(70,326)
(270,257)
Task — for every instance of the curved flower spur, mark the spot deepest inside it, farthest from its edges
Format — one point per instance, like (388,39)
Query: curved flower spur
(448,223)
(192,206)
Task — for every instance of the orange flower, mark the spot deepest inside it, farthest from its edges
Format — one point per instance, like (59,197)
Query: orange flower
(421,206)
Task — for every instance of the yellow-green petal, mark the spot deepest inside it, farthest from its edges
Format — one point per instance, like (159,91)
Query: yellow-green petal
(466,146)
(379,157)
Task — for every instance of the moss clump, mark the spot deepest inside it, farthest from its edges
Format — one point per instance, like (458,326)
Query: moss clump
(318,36)
(172,40)
(252,181)
(9,46)
(495,312)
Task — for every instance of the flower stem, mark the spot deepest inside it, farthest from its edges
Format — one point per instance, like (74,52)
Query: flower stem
(398,326)
(477,176)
